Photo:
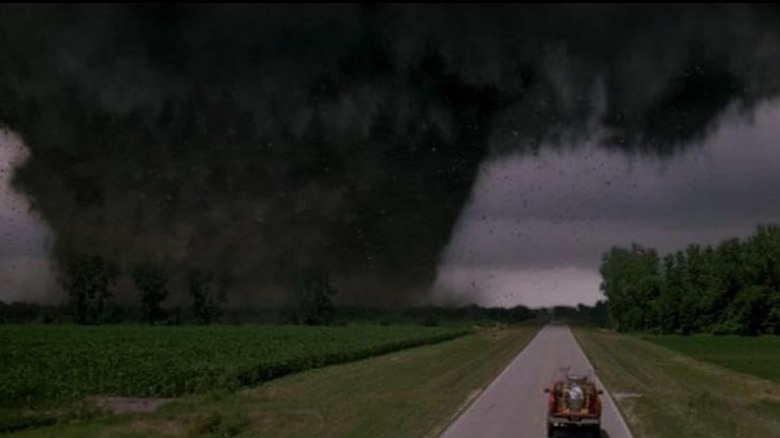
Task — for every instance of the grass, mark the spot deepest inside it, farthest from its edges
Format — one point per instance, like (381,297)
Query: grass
(680,396)
(410,393)
(52,371)
(759,356)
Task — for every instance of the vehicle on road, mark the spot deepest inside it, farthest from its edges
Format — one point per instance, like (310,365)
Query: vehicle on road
(574,403)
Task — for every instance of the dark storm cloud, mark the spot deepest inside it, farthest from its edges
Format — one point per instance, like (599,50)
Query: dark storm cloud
(258,139)
(543,246)
(585,201)
(734,178)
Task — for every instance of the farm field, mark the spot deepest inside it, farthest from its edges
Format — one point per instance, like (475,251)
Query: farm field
(415,392)
(758,356)
(43,368)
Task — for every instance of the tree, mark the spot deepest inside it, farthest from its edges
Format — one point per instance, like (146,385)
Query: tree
(151,280)
(88,281)
(731,288)
(313,297)
(772,321)
(630,283)
(208,297)
(747,312)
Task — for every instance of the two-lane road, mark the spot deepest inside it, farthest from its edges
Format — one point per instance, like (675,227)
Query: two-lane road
(514,404)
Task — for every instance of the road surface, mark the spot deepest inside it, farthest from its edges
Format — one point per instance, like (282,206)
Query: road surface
(514,404)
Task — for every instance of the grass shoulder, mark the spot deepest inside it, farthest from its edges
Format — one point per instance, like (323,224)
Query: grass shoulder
(663,393)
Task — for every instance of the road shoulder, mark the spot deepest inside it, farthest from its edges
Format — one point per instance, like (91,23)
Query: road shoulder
(666,394)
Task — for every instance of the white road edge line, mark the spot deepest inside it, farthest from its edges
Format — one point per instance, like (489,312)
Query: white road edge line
(493,383)
(606,392)
(473,396)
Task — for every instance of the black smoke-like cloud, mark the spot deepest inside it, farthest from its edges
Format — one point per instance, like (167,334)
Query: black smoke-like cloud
(258,140)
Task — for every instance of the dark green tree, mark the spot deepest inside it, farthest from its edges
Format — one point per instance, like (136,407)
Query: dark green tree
(88,279)
(151,280)
(313,298)
(208,297)
(630,283)
(733,287)
(748,311)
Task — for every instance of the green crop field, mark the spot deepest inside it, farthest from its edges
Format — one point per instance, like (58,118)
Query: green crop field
(42,367)
(758,356)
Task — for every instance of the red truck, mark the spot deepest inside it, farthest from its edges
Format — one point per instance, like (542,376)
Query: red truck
(574,403)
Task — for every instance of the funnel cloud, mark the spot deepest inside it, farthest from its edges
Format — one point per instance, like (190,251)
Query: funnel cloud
(257,140)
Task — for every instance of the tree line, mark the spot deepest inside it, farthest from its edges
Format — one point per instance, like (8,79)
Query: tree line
(596,315)
(730,288)
(428,316)
(90,280)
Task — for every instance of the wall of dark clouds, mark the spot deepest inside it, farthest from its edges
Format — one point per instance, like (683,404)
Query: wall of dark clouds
(256,140)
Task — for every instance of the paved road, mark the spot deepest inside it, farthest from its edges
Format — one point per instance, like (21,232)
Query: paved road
(514,404)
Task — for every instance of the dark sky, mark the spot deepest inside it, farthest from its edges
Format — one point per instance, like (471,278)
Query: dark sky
(383,143)
(542,246)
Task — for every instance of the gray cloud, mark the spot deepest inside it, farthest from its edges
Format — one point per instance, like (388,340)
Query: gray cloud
(533,218)
(706,185)
(25,269)
(510,287)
